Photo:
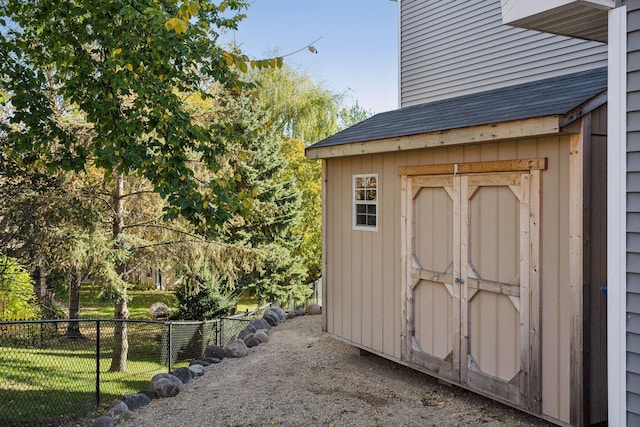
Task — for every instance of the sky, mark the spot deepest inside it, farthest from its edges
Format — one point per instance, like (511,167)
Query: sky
(357,53)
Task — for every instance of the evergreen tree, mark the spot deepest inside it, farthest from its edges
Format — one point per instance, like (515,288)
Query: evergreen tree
(275,208)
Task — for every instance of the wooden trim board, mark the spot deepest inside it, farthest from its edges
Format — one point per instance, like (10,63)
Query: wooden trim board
(538,126)
(518,165)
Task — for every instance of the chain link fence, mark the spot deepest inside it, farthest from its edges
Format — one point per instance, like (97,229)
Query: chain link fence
(53,373)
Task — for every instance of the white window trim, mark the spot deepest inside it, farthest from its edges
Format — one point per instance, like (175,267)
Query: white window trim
(355,202)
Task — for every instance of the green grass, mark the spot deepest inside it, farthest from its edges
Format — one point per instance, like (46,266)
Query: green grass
(246,302)
(48,378)
(94,307)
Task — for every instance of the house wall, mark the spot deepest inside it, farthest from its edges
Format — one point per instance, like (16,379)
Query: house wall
(633,213)
(363,268)
(448,49)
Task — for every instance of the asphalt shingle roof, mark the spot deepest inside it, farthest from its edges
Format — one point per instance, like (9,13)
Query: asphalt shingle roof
(554,96)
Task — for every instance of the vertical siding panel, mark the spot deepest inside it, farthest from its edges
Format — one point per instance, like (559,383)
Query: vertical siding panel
(377,311)
(564,294)
(451,49)
(340,239)
(390,251)
(550,274)
(402,159)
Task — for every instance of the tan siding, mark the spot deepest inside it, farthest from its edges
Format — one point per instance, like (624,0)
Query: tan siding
(364,268)
(455,48)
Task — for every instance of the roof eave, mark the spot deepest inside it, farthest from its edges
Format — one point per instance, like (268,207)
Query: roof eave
(530,127)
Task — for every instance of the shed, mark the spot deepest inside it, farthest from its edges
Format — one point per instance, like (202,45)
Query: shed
(466,238)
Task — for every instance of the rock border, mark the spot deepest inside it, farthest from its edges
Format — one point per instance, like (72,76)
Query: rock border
(165,385)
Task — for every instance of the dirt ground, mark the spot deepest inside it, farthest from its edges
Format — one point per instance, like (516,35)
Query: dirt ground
(302,377)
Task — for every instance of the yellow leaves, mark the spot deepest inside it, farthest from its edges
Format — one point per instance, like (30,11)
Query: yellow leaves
(117,51)
(205,204)
(179,25)
(129,67)
(228,58)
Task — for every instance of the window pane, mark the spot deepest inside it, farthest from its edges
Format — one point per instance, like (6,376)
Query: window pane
(371,220)
(371,209)
(360,182)
(361,209)
(371,182)
(371,194)
(361,220)
(359,194)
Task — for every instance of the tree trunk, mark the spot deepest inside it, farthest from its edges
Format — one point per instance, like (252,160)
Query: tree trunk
(73,328)
(121,312)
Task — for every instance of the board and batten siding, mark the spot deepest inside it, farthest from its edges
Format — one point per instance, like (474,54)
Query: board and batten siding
(449,49)
(633,213)
(363,268)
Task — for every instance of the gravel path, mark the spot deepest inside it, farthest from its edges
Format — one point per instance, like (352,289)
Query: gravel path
(302,377)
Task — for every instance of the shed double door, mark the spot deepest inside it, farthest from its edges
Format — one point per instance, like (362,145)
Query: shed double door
(468,315)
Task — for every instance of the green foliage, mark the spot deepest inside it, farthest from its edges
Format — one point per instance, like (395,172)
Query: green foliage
(296,106)
(274,212)
(125,68)
(17,297)
(200,296)
(307,174)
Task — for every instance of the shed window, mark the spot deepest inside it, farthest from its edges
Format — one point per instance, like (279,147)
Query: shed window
(365,202)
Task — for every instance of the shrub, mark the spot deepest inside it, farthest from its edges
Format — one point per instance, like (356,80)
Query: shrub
(17,295)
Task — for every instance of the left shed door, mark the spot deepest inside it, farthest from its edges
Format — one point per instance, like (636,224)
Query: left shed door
(433,297)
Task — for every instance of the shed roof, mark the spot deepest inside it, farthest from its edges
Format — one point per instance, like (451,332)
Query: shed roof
(548,97)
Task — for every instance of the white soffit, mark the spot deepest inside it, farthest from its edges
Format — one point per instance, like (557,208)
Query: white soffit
(585,19)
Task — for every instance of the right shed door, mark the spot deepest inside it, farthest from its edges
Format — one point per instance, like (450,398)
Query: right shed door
(492,247)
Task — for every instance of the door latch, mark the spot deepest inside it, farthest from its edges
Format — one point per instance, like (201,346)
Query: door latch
(459,280)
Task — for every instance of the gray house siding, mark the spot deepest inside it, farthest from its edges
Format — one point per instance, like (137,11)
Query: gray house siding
(633,213)
(465,49)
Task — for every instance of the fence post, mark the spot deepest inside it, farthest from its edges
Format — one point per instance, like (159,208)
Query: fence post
(170,353)
(97,363)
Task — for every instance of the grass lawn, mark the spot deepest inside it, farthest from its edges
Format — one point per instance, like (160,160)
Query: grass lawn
(93,307)
(47,378)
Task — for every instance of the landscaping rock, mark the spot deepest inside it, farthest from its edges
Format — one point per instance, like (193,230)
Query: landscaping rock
(166,385)
(184,374)
(135,401)
(150,394)
(243,334)
(202,363)
(260,324)
(271,318)
(247,337)
(280,312)
(118,410)
(237,348)
(301,311)
(196,370)
(212,360)
(215,351)
(252,342)
(314,309)
(159,310)
(292,314)
(251,327)
(261,335)
(103,421)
